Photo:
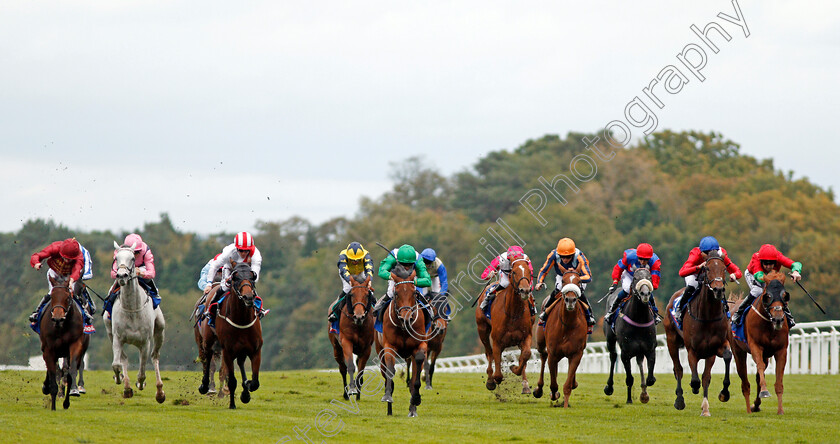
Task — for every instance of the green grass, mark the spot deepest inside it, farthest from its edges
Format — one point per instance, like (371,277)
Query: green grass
(459,409)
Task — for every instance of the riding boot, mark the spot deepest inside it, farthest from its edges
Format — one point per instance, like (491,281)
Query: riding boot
(614,306)
(657,318)
(378,309)
(548,302)
(789,316)
(736,318)
(335,308)
(686,297)
(532,305)
(90,304)
(590,320)
(491,294)
(34,316)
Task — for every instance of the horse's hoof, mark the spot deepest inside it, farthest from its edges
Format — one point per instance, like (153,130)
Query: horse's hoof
(764,394)
(705,414)
(679,404)
(66,403)
(555,396)
(526,390)
(128,393)
(644,398)
(723,396)
(45,389)
(608,390)
(203,389)
(498,379)
(429,387)
(253,385)
(117,379)
(650,381)
(695,390)
(160,397)
(387,398)
(82,389)
(538,393)
(490,385)
(212,391)
(352,391)
(412,414)
(346,396)
(415,399)
(245,397)
(756,408)
(75,392)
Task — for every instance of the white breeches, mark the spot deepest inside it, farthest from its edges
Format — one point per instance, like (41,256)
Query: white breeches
(626,281)
(691,281)
(559,283)
(756,288)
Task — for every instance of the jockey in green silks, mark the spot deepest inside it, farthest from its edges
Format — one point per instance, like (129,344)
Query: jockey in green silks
(407,257)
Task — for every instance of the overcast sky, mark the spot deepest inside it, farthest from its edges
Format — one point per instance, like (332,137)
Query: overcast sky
(223,113)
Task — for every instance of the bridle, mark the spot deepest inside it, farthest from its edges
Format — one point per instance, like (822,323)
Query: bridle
(414,309)
(350,309)
(530,280)
(66,309)
(236,289)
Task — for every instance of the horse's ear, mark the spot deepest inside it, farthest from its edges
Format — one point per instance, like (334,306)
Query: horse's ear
(133,246)
(232,263)
(253,276)
(412,276)
(367,280)
(393,276)
(53,282)
(116,245)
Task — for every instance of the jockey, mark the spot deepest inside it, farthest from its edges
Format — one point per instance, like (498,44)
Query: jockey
(564,258)
(407,256)
(144,266)
(697,261)
(205,280)
(501,265)
(242,250)
(634,258)
(765,260)
(353,260)
(437,273)
(65,259)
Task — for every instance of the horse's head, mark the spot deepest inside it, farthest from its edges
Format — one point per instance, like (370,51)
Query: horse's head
(60,300)
(124,259)
(570,289)
(774,297)
(404,294)
(520,276)
(715,274)
(358,300)
(243,283)
(642,284)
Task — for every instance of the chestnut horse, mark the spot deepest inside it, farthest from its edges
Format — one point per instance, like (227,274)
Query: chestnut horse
(239,331)
(203,332)
(635,332)
(434,340)
(564,336)
(355,334)
(766,335)
(705,332)
(510,324)
(62,336)
(403,334)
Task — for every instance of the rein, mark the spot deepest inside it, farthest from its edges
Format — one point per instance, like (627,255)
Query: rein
(708,284)
(393,308)
(237,290)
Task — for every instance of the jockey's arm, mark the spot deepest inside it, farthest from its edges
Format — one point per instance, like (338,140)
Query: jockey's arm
(444,283)
(385,267)
(256,263)
(422,278)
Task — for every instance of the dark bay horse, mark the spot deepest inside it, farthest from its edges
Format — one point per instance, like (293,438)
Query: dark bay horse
(564,336)
(510,325)
(355,336)
(635,332)
(434,340)
(403,335)
(767,335)
(705,333)
(239,331)
(204,333)
(62,336)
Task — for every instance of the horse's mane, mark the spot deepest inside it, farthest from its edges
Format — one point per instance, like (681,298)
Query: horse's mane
(359,278)
(240,268)
(714,254)
(402,271)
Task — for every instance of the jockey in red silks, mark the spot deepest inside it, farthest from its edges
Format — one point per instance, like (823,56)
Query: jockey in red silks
(501,265)
(66,260)
(697,261)
(634,258)
(144,268)
(766,260)
(241,251)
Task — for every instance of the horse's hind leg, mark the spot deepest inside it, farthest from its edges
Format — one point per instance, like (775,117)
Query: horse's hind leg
(519,370)
(539,391)
(674,351)
(160,396)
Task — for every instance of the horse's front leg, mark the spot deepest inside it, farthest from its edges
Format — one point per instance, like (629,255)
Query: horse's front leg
(159,327)
(227,358)
(349,368)
(608,389)
(75,360)
(761,365)
(120,367)
(539,391)
(570,384)
(51,383)
(256,358)
(781,360)
(643,397)
(497,360)
(419,358)
(387,368)
(361,361)
(144,359)
(553,360)
(207,357)
(674,351)
(628,379)
(723,396)
(524,356)
(693,361)
(245,397)
(707,379)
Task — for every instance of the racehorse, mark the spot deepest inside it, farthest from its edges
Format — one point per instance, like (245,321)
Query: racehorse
(403,334)
(510,324)
(766,335)
(203,332)
(240,334)
(635,332)
(564,336)
(355,334)
(134,321)
(434,340)
(705,332)
(62,335)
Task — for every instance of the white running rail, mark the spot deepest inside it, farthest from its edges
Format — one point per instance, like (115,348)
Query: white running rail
(814,349)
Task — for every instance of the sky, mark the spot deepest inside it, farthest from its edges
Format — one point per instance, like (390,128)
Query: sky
(225,113)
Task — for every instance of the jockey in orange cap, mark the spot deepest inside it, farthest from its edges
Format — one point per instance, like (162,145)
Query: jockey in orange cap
(765,260)
(564,258)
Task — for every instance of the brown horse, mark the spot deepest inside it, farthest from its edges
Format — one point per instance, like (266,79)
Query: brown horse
(705,333)
(403,335)
(205,333)
(510,324)
(434,340)
(766,335)
(564,336)
(239,331)
(62,336)
(355,334)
